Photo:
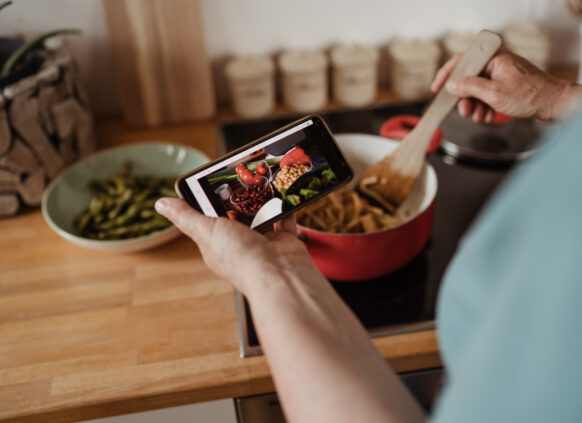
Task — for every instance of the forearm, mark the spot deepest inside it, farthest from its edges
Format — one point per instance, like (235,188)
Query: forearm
(568,97)
(324,366)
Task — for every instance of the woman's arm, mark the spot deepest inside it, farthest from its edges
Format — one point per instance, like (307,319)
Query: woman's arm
(324,366)
(510,85)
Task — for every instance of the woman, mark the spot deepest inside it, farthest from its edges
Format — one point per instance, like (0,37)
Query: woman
(508,312)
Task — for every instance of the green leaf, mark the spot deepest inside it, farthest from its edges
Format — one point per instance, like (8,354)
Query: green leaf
(308,193)
(214,182)
(293,199)
(4,4)
(315,184)
(272,161)
(329,175)
(20,53)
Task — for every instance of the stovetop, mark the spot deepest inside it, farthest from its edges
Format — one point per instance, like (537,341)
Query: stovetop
(404,300)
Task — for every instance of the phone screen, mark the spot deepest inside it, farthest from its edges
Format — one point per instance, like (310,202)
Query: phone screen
(270,177)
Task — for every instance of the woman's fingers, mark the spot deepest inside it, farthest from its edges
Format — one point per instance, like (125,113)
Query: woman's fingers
(444,72)
(489,115)
(475,86)
(479,112)
(193,224)
(466,107)
(287,224)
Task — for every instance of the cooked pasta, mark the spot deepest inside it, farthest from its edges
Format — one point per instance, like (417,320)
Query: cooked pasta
(345,211)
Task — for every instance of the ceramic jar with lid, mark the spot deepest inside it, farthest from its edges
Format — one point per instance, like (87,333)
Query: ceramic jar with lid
(529,41)
(304,79)
(413,64)
(354,74)
(252,85)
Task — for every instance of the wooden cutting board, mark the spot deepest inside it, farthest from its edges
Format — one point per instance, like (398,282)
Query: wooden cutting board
(163,72)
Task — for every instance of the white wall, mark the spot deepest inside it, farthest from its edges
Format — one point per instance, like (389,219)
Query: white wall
(265,26)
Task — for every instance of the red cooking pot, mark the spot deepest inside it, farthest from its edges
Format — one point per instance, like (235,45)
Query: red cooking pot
(351,257)
(399,126)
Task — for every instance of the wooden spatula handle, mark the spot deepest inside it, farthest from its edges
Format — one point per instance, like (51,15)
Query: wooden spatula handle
(474,60)
(389,181)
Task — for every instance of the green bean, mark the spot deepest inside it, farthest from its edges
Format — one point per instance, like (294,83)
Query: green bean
(123,205)
(83,221)
(167,192)
(120,203)
(146,214)
(97,219)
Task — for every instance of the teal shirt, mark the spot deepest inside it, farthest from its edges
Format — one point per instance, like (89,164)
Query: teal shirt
(510,309)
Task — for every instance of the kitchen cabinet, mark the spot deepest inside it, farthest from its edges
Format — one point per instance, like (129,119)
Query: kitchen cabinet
(221,411)
(425,385)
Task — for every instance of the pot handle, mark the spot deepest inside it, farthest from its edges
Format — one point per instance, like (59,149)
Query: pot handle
(399,126)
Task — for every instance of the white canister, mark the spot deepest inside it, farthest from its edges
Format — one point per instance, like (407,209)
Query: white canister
(413,64)
(457,42)
(304,80)
(354,74)
(529,41)
(252,85)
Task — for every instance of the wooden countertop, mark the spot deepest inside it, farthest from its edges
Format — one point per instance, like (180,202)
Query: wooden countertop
(87,334)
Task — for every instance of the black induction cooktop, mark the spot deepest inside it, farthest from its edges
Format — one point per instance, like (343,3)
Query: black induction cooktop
(405,299)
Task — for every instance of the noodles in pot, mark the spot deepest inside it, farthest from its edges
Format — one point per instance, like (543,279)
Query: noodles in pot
(345,211)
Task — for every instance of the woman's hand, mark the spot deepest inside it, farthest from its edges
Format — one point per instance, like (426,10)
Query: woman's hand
(510,85)
(236,253)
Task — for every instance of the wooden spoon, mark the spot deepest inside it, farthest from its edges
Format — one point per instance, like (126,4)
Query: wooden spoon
(389,181)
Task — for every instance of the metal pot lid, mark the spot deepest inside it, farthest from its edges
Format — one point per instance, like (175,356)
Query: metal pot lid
(483,143)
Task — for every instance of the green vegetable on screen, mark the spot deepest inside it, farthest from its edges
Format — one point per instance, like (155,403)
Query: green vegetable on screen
(292,199)
(329,175)
(308,193)
(309,185)
(123,206)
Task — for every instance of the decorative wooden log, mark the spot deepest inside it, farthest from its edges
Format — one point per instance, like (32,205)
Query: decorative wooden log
(24,119)
(5,134)
(28,184)
(9,204)
(63,114)
(31,187)
(9,181)
(47,96)
(19,158)
(73,121)
(45,124)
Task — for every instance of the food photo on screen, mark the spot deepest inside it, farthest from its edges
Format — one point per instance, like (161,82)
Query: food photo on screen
(270,180)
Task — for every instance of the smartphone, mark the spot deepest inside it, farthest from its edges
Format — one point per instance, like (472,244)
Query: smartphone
(271,177)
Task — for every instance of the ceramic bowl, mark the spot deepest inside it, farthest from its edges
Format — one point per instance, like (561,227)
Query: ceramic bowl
(69,194)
